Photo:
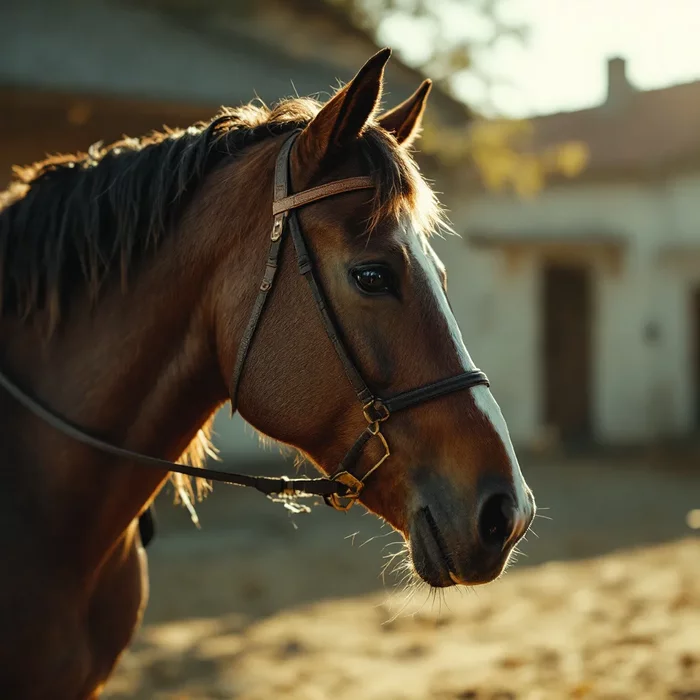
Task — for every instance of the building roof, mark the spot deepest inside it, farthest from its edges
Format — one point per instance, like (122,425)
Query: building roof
(120,49)
(632,131)
(315,32)
(208,52)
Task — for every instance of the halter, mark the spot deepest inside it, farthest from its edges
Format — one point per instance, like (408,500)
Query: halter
(343,486)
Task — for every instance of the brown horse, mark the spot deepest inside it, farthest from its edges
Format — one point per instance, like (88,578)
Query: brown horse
(128,276)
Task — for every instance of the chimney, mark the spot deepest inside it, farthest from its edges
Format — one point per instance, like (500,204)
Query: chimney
(619,87)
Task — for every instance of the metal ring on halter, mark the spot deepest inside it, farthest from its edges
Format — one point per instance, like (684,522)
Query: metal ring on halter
(354,486)
(382,412)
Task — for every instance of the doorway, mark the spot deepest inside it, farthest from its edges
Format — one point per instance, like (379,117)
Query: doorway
(695,353)
(567,353)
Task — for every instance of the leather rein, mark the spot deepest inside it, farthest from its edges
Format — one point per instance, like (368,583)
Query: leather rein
(342,487)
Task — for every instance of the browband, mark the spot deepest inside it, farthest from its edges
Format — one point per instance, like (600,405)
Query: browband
(294,201)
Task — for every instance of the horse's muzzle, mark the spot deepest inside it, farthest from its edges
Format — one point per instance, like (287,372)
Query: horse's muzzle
(457,543)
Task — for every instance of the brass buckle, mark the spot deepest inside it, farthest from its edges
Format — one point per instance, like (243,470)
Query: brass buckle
(354,484)
(277,227)
(354,487)
(375,405)
(381,414)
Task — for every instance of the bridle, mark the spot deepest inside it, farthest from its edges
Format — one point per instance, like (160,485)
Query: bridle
(342,487)
(376,410)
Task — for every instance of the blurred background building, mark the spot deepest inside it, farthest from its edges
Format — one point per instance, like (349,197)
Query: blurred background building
(582,303)
(575,280)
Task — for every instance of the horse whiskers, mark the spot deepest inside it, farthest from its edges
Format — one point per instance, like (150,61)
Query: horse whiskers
(410,593)
(403,565)
(512,559)
(410,581)
(405,575)
(439,595)
(376,537)
(351,537)
(400,542)
(519,552)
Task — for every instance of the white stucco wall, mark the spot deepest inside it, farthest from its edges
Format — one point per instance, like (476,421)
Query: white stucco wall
(499,333)
(640,390)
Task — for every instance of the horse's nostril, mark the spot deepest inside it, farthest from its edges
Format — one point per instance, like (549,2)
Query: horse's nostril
(497,520)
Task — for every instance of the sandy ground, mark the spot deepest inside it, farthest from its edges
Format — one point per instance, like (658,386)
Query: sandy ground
(260,604)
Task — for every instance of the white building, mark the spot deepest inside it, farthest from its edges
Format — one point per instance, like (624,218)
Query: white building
(583,305)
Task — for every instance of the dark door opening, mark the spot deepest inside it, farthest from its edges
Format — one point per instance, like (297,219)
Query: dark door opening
(567,311)
(695,353)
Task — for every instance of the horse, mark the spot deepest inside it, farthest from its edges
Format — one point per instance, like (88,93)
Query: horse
(131,310)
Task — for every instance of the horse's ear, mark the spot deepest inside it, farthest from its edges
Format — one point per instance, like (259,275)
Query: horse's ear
(404,121)
(343,118)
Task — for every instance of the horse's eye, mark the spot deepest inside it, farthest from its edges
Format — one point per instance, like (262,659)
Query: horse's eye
(374,279)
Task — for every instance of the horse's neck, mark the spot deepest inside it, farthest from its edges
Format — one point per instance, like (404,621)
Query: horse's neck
(138,371)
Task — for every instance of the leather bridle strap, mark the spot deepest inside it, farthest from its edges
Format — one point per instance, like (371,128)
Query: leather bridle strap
(273,254)
(294,201)
(436,390)
(306,269)
(282,205)
(375,409)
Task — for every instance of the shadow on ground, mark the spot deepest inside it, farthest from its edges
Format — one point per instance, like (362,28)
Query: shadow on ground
(252,560)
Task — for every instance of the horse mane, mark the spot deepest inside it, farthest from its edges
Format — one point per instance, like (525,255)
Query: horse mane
(72,219)
(79,220)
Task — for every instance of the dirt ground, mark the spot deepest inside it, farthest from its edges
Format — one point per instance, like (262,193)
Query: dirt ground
(260,604)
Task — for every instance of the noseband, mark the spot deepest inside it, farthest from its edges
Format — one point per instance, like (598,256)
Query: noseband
(343,486)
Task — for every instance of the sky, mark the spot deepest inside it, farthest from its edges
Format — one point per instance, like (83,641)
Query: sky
(562,65)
